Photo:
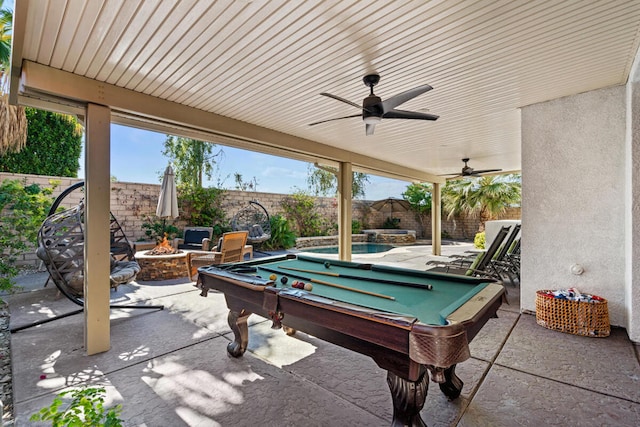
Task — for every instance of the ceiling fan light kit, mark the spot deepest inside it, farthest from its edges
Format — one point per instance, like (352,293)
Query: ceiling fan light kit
(374,109)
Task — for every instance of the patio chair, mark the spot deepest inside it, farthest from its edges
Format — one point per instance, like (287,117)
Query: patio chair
(196,238)
(61,249)
(254,219)
(230,248)
(479,266)
(121,248)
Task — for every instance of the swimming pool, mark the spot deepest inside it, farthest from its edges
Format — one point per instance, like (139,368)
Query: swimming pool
(356,248)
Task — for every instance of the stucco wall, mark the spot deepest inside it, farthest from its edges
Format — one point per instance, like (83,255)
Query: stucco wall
(632,245)
(573,197)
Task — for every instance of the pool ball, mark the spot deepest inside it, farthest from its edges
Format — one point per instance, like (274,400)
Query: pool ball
(273,277)
(308,286)
(327,264)
(284,280)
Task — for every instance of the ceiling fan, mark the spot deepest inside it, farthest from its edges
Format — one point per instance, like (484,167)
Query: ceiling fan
(469,171)
(374,109)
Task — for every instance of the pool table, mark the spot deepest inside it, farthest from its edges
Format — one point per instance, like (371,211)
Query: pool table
(408,321)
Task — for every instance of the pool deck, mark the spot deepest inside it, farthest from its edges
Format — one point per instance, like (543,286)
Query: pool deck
(170,367)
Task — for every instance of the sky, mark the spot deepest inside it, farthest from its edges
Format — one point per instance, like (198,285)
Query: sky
(136,156)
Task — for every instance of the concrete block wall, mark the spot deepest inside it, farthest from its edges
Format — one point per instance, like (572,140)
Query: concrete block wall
(134,204)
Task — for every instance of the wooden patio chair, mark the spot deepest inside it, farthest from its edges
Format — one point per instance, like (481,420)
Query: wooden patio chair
(231,248)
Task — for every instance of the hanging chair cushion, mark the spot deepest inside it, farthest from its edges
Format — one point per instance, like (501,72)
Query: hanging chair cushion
(256,231)
(123,272)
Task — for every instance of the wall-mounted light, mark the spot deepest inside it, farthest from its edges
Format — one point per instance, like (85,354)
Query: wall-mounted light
(576,269)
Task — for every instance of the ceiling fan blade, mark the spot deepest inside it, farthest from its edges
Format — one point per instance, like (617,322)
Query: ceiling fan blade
(346,101)
(369,129)
(402,114)
(401,98)
(337,118)
(475,172)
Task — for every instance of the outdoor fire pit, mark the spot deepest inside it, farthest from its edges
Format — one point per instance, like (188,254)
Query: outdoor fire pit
(162,263)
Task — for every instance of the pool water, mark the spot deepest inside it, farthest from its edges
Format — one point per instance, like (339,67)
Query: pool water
(356,248)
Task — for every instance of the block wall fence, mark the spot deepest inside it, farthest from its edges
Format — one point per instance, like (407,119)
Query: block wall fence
(134,203)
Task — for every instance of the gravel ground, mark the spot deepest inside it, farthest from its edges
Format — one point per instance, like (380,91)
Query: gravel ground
(6,395)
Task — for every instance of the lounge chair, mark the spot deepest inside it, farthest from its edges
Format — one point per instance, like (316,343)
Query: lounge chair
(230,248)
(479,266)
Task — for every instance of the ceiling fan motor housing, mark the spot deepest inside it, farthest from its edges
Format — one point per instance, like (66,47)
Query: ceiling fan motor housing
(372,107)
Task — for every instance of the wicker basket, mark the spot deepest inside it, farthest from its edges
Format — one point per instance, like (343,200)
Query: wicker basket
(589,319)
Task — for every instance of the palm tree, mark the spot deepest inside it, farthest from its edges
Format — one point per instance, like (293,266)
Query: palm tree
(485,197)
(13,121)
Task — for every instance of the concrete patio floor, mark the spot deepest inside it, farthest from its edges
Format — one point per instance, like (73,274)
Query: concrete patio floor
(170,367)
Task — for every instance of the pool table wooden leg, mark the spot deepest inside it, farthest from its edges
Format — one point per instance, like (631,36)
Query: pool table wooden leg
(408,399)
(452,385)
(238,323)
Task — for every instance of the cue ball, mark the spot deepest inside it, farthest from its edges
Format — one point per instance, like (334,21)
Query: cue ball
(327,264)
(308,286)
(273,277)
(284,280)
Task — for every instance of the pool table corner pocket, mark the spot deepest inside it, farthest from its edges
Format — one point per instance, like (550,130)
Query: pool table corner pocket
(439,346)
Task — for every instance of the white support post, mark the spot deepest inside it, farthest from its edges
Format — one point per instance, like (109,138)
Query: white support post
(345,182)
(436,220)
(96,245)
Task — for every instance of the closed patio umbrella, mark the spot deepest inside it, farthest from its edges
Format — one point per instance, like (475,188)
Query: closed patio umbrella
(168,200)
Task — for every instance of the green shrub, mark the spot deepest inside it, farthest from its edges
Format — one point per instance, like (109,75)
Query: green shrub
(281,235)
(86,409)
(22,211)
(156,229)
(300,209)
(391,223)
(356,227)
(203,207)
(54,144)
(479,240)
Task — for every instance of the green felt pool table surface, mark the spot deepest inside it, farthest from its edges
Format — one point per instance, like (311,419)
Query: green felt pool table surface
(432,306)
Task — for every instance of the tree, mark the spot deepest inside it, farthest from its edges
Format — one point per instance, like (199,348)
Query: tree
(324,181)
(420,197)
(485,197)
(13,122)
(192,160)
(54,145)
(251,185)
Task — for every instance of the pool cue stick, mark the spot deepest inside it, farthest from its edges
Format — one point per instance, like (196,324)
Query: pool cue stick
(335,285)
(368,279)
